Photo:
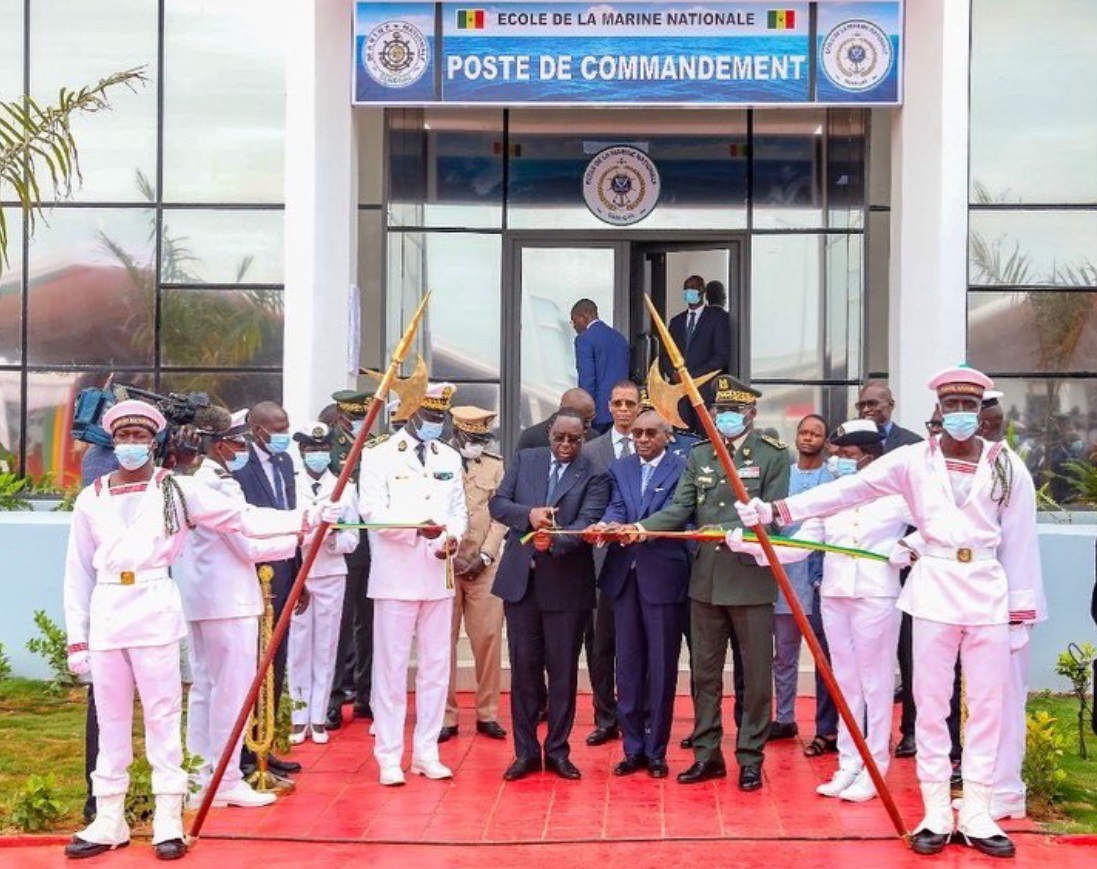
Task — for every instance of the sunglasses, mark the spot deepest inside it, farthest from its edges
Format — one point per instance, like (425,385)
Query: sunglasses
(566,439)
(646,433)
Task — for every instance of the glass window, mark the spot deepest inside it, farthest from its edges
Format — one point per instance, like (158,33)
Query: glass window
(845,307)
(701,157)
(227,328)
(222,247)
(782,406)
(1041,331)
(1033,103)
(788,168)
(846,168)
(11,49)
(786,306)
(11,291)
(459,336)
(224,143)
(1057,248)
(10,419)
(74,45)
(554,279)
(229,389)
(91,288)
(445,167)
(1050,423)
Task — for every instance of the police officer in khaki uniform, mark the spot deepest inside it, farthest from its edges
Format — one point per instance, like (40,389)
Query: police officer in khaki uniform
(474,568)
(728,592)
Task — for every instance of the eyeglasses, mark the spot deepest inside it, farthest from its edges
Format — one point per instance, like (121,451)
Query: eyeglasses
(646,433)
(866,405)
(623,402)
(566,439)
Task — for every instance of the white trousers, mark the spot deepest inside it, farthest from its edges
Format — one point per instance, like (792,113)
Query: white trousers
(313,647)
(395,622)
(863,635)
(984,658)
(154,670)
(1009,787)
(223,658)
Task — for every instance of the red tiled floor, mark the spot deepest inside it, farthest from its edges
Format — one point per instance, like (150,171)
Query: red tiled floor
(339,814)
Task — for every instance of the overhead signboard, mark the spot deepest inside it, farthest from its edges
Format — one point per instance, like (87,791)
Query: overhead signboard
(582,53)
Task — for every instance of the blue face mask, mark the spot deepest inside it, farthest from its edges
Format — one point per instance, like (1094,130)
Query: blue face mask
(317,462)
(237,462)
(132,456)
(693,297)
(960,425)
(841,467)
(730,423)
(428,431)
(279,442)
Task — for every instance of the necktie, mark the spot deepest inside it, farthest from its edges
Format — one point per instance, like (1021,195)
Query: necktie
(645,476)
(421,452)
(554,478)
(279,486)
(625,448)
(691,324)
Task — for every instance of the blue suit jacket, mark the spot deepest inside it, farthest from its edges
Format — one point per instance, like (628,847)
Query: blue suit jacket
(662,566)
(258,492)
(601,360)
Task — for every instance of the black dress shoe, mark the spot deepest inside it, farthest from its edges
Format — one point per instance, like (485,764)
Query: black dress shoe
(632,763)
(334,719)
(363,711)
(563,767)
(782,730)
(928,842)
(447,733)
(657,768)
(703,770)
(521,767)
(172,849)
(907,747)
(602,735)
(282,767)
(80,849)
(992,846)
(750,777)
(491,729)
(686,743)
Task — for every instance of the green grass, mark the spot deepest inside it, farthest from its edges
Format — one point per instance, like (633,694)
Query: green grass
(1076,810)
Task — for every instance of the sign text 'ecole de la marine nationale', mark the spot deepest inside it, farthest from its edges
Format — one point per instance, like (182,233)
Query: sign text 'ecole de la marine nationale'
(577,53)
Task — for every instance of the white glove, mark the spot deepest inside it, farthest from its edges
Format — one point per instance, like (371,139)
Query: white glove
(1018,637)
(900,556)
(80,663)
(754,512)
(734,540)
(323,511)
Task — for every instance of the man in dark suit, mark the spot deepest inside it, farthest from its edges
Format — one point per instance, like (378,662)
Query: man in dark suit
(576,399)
(547,586)
(876,402)
(601,358)
(647,584)
(267,481)
(704,334)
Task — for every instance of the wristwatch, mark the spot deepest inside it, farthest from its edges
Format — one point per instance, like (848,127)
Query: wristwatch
(487,559)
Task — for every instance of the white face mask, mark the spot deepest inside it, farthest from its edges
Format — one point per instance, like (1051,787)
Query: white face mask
(472,451)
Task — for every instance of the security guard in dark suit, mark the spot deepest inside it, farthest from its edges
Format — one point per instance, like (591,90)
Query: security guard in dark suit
(728,592)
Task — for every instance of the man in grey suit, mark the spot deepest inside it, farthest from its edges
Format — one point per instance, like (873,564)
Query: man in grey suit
(600,636)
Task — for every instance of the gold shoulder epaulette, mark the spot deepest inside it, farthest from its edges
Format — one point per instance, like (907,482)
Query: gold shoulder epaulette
(773,442)
(379,439)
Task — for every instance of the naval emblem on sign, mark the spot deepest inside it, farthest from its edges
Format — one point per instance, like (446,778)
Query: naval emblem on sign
(621,185)
(395,54)
(857,55)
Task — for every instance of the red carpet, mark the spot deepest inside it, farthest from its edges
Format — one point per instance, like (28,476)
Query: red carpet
(339,814)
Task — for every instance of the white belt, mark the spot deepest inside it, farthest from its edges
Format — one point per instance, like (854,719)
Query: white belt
(131,577)
(963,554)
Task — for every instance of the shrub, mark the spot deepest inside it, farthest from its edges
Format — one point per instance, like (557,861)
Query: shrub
(13,492)
(52,646)
(1043,750)
(140,800)
(5,665)
(1075,664)
(36,806)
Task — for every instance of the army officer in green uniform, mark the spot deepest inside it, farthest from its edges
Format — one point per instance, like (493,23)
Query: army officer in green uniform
(728,591)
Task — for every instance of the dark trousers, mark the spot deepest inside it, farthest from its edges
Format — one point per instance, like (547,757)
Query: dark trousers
(649,638)
(906,676)
(354,660)
(599,642)
(542,641)
(826,713)
(711,628)
(91,750)
(736,668)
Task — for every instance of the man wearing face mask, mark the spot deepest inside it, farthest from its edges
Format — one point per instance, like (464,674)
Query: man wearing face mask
(974,591)
(729,593)
(222,615)
(267,481)
(474,569)
(412,477)
(703,332)
(124,617)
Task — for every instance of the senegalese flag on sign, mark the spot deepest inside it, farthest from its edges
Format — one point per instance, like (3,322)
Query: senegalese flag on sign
(470,19)
(781,19)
